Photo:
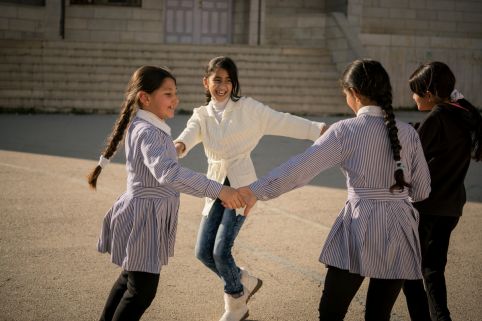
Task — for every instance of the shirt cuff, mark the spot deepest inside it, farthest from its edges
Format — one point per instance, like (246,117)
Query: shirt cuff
(213,189)
(258,191)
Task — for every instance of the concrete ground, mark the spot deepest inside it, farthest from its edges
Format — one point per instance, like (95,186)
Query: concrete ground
(50,221)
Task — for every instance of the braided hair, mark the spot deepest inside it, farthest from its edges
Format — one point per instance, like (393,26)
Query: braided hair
(227,64)
(369,79)
(147,79)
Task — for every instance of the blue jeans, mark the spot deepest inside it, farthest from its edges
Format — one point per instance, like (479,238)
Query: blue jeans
(216,236)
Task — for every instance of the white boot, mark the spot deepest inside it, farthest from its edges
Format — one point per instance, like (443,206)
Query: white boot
(236,308)
(251,284)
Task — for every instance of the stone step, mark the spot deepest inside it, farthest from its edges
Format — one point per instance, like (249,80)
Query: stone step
(126,71)
(15,78)
(191,57)
(84,77)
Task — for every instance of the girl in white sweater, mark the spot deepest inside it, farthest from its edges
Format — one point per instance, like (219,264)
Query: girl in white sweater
(230,127)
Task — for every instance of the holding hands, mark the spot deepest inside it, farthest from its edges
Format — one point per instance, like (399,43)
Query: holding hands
(237,198)
(249,198)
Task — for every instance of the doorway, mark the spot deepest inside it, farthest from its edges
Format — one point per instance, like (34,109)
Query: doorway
(198,21)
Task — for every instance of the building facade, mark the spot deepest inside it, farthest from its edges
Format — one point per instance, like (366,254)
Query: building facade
(399,33)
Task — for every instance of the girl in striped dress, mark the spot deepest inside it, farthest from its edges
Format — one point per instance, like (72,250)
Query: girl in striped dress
(375,234)
(139,230)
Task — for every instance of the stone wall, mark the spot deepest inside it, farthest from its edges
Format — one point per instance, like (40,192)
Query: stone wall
(295,23)
(405,33)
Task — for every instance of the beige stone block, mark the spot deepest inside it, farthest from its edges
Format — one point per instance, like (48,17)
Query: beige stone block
(111,12)
(107,24)
(23,25)
(152,37)
(105,35)
(376,12)
(31,13)
(311,21)
(402,13)
(468,6)
(337,44)
(143,14)
(443,26)
(79,11)
(152,4)
(417,4)
(8,10)
(77,34)
(375,39)
(76,23)
(402,41)
(439,5)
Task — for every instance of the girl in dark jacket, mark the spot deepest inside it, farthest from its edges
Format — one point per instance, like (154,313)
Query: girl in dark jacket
(451,135)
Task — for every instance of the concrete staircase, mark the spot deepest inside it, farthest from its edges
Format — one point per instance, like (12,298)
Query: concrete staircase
(62,76)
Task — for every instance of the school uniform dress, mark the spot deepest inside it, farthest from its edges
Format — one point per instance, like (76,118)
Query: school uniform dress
(375,234)
(139,231)
(228,143)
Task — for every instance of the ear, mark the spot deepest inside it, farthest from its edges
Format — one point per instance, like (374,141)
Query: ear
(429,96)
(355,94)
(143,98)
(205,83)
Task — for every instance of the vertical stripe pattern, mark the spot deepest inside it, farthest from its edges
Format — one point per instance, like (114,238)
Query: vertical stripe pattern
(139,230)
(375,234)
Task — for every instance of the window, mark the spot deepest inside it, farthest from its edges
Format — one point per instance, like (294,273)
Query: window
(129,3)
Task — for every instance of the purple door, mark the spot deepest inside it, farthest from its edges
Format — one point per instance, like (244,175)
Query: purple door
(198,21)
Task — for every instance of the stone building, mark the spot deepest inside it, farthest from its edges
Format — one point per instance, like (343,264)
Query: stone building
(77,55)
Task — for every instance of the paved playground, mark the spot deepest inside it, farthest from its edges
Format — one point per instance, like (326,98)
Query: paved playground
(50,221)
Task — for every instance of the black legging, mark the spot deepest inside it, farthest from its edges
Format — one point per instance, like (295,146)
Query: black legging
(434,231)
(340,288)
(130,296)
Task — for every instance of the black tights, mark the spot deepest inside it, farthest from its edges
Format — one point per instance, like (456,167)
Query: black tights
(340,288)
(130,296)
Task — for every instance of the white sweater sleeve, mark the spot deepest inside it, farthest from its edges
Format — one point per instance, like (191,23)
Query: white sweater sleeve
(191,135)
(285,124)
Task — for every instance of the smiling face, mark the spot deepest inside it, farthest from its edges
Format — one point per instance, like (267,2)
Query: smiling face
(219,84)
(163,101)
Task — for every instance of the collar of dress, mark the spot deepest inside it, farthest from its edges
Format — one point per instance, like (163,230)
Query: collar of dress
(154,120)
(371,111)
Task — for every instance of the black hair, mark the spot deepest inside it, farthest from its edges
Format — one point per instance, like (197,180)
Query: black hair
(437,78)
(146,78)
(227,64)
(369,79)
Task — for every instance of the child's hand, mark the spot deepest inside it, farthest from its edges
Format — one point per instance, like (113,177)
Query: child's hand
(180,148)
(324,129)
(249,198)
(231,198)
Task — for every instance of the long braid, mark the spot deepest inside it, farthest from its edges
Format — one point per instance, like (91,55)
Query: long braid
(115,138)
(386,104)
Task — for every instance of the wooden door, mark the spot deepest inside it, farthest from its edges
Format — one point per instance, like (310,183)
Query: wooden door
(198,21)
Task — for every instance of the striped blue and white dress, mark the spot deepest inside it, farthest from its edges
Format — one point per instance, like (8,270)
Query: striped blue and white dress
(139,231)
(376,232)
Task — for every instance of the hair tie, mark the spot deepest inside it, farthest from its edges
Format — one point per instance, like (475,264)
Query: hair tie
(456,95)
(103,162)
(399,165)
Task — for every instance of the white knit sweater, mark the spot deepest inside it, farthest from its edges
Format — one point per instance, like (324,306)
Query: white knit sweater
(228,144)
